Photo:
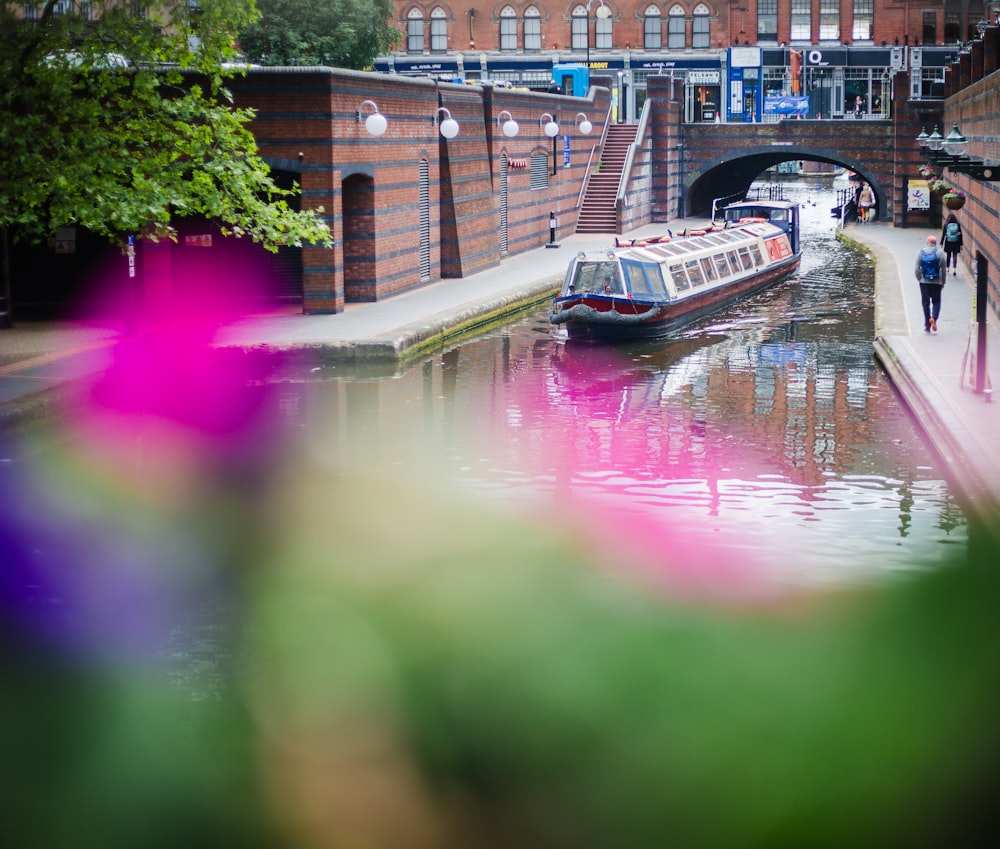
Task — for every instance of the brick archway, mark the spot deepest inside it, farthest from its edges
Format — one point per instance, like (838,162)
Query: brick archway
(358,194)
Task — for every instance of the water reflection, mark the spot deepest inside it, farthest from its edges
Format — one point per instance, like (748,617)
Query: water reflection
(769,428)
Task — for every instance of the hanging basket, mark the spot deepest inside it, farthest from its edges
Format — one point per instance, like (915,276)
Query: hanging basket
(953,201)
(940,187)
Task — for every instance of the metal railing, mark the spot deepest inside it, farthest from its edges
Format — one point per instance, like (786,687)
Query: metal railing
(621,197)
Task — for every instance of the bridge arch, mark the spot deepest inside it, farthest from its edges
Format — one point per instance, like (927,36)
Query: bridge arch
(722,176)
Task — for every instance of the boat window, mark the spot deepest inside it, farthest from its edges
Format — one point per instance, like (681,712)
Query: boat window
(715,240)
(721,266)
(755,253)
(779,215)
(679,277)
(644,278)
(734,261)
(601,277)
(746,259)
(694,272)
(708,269)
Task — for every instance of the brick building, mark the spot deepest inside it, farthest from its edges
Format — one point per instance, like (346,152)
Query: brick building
(520,42)
(568,27)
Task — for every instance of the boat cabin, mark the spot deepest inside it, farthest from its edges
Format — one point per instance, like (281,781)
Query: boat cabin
(665,270)
(781,213)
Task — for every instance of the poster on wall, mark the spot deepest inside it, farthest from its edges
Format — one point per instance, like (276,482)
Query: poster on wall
(918,194)
(786,105)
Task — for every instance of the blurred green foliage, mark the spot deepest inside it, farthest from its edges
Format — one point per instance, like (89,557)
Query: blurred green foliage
(401,667)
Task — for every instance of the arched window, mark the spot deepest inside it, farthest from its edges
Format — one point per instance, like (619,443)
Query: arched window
(652,28)
(701,36)
(508,28)
(439,30)
(676,36)
(580,28)
(602,32)
(532,29)
(415,31)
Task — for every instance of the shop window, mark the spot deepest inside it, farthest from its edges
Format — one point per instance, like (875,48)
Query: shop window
(767,20)
(580,28)
(801,20)
(930,27)
(415,31)
(701,35)
(829,20)
(864,16)
(508,28)
(602,33)
(675,29)
(532,29)
(439,30)
(652,29)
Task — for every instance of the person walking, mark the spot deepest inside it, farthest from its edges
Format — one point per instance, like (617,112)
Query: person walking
(866,200)
(951,241)
(930,271)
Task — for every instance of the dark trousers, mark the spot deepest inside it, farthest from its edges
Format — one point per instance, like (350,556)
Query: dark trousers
(930,301)
(951,259)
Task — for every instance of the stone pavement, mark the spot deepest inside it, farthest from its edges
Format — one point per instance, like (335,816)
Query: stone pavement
(928,370)
(934,372)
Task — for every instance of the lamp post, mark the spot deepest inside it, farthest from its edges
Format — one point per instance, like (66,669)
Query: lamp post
(603,12)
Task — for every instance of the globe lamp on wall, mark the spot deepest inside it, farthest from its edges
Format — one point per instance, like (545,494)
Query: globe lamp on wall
(375,123)
(509,127)
(449,126)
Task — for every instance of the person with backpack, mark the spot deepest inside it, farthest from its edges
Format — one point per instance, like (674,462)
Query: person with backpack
(951,241)
(930,271)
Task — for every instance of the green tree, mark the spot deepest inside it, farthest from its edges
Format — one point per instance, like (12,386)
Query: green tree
(114,117)
(339,33)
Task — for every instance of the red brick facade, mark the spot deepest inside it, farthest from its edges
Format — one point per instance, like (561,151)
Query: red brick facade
(519,26)
(409,206)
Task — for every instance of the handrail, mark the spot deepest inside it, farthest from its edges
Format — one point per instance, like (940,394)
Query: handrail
(586,177)
(630,157)
(726,199)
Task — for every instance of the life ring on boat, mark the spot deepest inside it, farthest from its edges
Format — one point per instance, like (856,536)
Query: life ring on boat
(753,219)
(696,232)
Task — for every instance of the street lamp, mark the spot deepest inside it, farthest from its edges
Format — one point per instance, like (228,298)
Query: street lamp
(603,12)
(949,152)
(550,127)
(510,127)
(375,123)
(583,122)
(449,126)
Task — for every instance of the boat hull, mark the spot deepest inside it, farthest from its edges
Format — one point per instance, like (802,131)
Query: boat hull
(603,317)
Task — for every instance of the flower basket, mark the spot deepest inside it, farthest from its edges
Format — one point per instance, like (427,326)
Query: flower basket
(926,172)
(953,200)
(940,187)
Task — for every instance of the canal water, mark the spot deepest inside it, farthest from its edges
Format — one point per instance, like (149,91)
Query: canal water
(768,429)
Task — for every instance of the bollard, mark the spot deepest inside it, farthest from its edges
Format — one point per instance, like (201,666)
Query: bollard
(553,223)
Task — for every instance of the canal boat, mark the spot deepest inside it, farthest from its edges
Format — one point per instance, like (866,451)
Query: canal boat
(646,288)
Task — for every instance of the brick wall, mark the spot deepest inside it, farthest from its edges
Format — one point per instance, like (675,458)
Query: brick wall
(307,122)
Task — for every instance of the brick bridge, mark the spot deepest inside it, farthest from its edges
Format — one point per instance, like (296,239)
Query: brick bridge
(693,164)
(722,159)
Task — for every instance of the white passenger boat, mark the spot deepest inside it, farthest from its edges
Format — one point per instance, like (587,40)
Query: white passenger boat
(649,288)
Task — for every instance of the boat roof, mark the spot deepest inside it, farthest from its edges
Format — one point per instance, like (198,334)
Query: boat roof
(764,203)
(711,242)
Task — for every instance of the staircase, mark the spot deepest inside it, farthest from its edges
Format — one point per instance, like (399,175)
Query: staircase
(597,212)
